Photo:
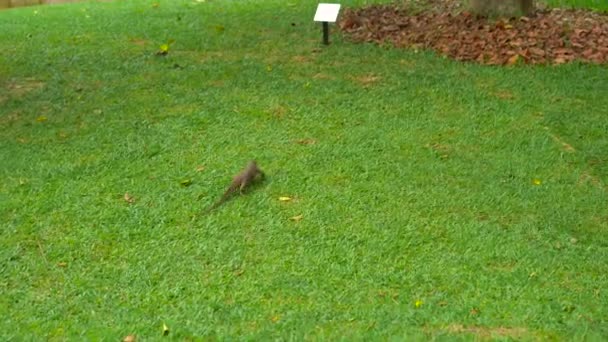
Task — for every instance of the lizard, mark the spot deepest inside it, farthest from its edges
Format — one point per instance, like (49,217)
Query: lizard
(240,182)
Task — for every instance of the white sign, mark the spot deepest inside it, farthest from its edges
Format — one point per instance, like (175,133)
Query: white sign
(327,12)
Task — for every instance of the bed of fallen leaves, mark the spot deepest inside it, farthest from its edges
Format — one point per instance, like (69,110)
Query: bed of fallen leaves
(548,36)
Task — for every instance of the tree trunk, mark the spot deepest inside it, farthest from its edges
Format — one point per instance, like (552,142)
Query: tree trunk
(502,7)
(527,7)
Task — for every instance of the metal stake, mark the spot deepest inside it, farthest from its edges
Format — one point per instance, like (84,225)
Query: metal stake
(325,33)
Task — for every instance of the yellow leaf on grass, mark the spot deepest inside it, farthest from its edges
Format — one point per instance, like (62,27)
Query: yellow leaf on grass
(418,303)
(165,330)
(285,199)
(297,218)
(536,181)
(164,48)
(41,118)
(129,338)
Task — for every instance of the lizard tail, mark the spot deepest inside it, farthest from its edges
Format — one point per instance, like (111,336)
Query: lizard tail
(219,202)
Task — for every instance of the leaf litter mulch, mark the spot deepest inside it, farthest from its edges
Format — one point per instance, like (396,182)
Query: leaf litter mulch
(549,36)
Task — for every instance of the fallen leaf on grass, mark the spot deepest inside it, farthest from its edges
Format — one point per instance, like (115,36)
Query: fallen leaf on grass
(297,218)
(129,338)
(163,50)
(200,168)
(128,198)
(62,264)
(418,303)
(367,80)
(41,118)
(308,141)
(165,330)
(285,199)
(536,181)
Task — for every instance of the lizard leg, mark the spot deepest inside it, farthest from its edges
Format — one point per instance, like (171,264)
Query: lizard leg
(243,185)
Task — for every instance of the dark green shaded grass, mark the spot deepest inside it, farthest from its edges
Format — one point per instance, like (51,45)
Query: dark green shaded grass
(419,185)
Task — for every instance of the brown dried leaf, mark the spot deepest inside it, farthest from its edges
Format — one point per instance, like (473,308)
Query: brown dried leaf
(559,60)
(128,198)
(536,51)
(306,141)
(513,59)
(577,34)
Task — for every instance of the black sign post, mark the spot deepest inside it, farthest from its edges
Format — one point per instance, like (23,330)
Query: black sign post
(327,13)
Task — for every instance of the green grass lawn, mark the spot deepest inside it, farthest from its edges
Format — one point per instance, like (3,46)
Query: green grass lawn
(601,5)
(437,199)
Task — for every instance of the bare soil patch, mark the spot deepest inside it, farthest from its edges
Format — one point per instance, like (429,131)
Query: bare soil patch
(5,4)
(486,333)
(20,87)
(549,36)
